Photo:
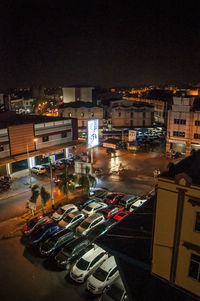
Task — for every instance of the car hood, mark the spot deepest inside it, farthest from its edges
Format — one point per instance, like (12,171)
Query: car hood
(76,271)
(63,224)
(95,282)
(56,215)
(61,257)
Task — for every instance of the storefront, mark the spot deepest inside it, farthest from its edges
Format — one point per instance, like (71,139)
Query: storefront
(178,147)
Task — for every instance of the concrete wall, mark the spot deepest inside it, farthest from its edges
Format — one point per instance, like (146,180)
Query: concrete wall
(68,95)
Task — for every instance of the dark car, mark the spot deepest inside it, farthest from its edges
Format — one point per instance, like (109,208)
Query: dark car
(34,224)
(72,251)
(58,178)
(83,204)
(47,166)
(44,232)
(100,230)
(58,240)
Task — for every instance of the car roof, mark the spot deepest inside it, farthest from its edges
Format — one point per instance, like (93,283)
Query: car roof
(91,254)
(65,207)
(92,217)
(94,205)
(77,241)
(108,264)
(75,213)
(61,233)
(38,166)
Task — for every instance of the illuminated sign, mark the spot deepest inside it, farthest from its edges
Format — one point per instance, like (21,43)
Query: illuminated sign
(93,133)
(131,135)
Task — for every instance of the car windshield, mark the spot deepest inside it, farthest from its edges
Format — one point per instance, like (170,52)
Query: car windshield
(60,211)
(82,264)
(51,242)
(115,293)
(100,274)
(68,218)
(88,208)
(85,225)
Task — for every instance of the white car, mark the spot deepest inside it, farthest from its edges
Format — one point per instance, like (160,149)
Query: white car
(88,263)
(71,220)
(103,277)
(89,223)
(59,214)
(38,169)
(137,204)
(93,208)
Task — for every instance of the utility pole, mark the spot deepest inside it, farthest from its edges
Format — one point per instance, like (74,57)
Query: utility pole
(51,177)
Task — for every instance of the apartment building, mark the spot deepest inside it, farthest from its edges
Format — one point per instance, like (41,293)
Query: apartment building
(183,128)
(27,140)
(127,113)
(176,245)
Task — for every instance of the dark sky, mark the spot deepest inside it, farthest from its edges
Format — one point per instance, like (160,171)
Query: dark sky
(106,43)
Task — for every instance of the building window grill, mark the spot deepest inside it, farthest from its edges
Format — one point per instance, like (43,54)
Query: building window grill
(179,121)
(196,136)
(63,135)
(194,269)
(197,222)
(45,138)
(197,122)
(1,148)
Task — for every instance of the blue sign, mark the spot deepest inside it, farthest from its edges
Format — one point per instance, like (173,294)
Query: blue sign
(93,133)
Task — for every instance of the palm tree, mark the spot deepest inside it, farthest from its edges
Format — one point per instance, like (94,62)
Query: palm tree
(67,183)
(45,196)
(35,194)
(87,180)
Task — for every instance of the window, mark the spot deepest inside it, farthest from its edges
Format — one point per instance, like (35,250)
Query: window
(119,114)
(45,138)
(113,272)
(82,114)
(83,124)
(197,122)
(144,114)
(194,269)
(131,114)
(178,134)
(197,222)
(131,122)
(179,121)
(70,114)
(92,114)
(63,135)
(196,136)
(1,148)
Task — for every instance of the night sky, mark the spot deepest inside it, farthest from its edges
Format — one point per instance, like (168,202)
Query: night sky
(105,43)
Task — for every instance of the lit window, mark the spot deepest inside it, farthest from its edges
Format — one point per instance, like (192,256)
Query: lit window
(82,114)
(194,269)
(197,222)
(92,114)
(45,138)
(70,114)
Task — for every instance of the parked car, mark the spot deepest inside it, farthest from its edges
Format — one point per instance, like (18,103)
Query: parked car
(89,223)
(103,277)
(42,233)
(137,204)
(93,208)
(110,211)
(38,169)
(71,252)
(58,165)
(83,204)
(71,220)
(100,229)
(58,240)
(67,162)
(58,178)
(121,215)
(127,200)
(116,292)
(88,263)
(46,166)
(62,211)
(35,223)
(113,198)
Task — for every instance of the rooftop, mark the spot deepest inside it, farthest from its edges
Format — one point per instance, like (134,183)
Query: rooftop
(11,118)
(77,104)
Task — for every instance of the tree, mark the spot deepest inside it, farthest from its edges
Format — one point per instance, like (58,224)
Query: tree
(67,183)
(87,180)
(45,196)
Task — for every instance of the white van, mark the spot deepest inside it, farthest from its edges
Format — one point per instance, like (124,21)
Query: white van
(103,277)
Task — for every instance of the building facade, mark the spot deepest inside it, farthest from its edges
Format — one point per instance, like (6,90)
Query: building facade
(160,108)
(25,139)
(83,112)
(71,94)
(183,127)
(132,114)
(176,248)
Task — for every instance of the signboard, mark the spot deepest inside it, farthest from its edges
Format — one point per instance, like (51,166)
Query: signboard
(131,135)
(80,167)
(30,205)
(93,133)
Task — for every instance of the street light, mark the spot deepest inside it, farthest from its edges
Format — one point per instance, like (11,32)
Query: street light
(27,150)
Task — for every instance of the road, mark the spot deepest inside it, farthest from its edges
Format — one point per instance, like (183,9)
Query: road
(136,179)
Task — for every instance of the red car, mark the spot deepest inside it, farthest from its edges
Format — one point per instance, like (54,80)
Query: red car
(121,215)
(35,223)
(58,165)
(113,198)
(111,211)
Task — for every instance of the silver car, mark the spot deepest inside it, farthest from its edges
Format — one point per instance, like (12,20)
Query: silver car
(71,220)
(89,223)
